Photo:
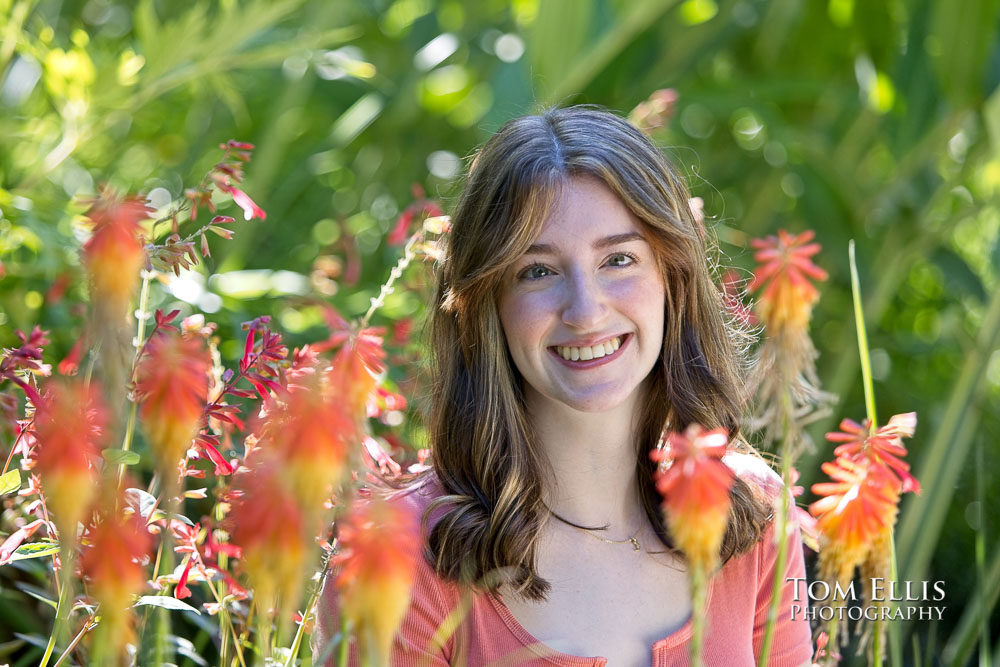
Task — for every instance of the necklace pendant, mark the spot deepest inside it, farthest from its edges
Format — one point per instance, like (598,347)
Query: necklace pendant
(635,543)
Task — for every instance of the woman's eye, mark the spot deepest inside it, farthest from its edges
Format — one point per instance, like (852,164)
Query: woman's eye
(621,259)
(534,272)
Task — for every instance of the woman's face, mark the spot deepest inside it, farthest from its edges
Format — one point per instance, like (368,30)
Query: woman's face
(582,309)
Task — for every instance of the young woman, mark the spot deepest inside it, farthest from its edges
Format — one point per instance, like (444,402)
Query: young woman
(575,322)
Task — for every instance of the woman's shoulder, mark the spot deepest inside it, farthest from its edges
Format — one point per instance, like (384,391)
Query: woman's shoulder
(415,495)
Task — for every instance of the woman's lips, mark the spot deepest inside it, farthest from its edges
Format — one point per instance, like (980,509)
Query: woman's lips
(592,363)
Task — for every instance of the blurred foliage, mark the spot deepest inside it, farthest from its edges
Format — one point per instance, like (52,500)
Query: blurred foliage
(877,121)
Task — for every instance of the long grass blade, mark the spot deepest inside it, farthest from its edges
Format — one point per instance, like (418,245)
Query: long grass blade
(923,516)
(859,320)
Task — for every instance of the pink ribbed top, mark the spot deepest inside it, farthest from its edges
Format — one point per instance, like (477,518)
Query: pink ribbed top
(489,635)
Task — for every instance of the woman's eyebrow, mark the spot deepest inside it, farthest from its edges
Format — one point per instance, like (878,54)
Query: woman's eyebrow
(606,242)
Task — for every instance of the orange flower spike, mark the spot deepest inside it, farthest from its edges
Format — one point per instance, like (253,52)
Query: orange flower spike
(358,363)
(381,547)
(172,382)
(114,254)
(884,447)
(855,508)
(695,488)
(70,429)
(268,525)
(310,430)
(113,564)
(785,265)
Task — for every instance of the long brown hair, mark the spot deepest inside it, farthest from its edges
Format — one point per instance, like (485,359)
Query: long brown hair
(484,452)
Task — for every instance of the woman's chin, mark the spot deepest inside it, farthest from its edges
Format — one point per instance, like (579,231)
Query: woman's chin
(594,400)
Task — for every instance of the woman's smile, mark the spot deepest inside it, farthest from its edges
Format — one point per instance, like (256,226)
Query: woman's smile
(585,356)
(582,309)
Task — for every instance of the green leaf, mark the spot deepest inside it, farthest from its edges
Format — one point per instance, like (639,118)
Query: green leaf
(557,39)
(159,515)
(11,481)
(35,550)
(859,320)
(166,602)
(145,505)
(140,501)
(39,594)
(959,278)
(120,457)
(960,38)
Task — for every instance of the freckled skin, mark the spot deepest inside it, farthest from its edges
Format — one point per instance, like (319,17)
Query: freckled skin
(576,291)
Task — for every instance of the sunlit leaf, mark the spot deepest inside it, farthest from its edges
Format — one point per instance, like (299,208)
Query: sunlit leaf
(120,457)
(35,550)
(11,481)
(166,602)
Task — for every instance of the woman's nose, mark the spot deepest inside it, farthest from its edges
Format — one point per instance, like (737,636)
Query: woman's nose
(585,303)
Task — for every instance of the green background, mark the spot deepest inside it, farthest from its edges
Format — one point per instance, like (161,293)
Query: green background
(873,121)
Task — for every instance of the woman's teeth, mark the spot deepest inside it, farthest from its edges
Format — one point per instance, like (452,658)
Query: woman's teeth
(588,353)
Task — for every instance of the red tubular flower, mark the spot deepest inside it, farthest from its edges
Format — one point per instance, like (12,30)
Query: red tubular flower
(70,431)
(883,447)
(114,255)
(381,544)
(695,488)
(785,268)
(242,199)
(113,565)
(172,385)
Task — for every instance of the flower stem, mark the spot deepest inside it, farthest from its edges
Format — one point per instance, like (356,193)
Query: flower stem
(87,627)
(345,644)
(397,271)
(780,529)
(140,333)
(263,633)
(297,641)
(62,618)
(698,585)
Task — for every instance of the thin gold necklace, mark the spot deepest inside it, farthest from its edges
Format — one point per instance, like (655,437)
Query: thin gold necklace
(634,540)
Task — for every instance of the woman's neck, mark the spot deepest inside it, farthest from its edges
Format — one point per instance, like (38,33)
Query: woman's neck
(593,459)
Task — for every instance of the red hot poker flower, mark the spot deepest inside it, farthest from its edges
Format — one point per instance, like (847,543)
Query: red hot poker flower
(310,429)
(695,488)
(113,565)
(267,522)
(855,518)
(883,447)
(785,266)
(860,502)
(172,384)
(114,253)
(381,543)
(70,431)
